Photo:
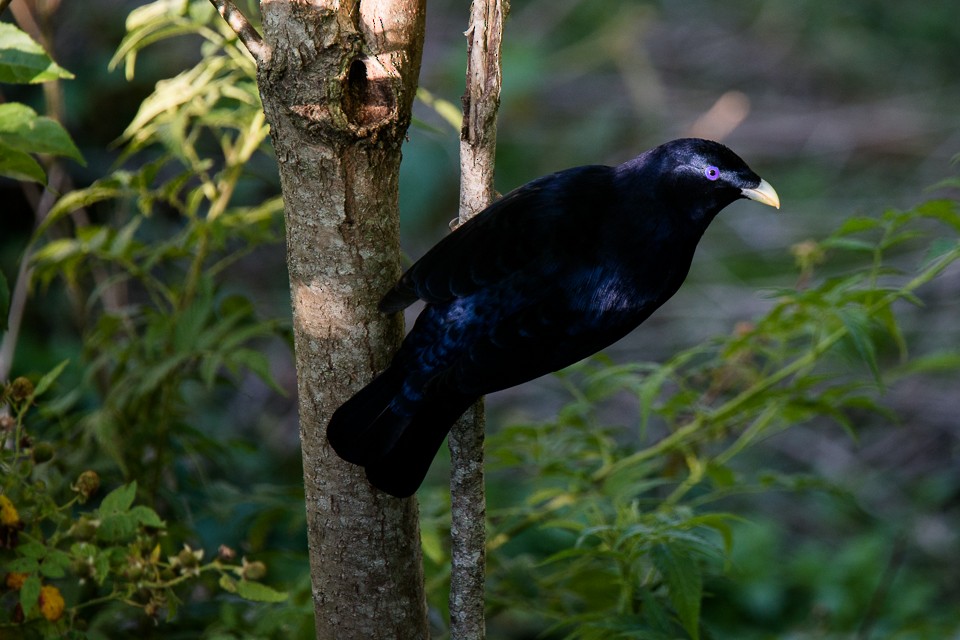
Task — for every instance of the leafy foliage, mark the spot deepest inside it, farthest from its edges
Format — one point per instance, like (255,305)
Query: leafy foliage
(22,131)
(158,316)
(160,328)
(113,552)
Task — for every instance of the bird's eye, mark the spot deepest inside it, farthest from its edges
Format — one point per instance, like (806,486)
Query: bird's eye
(712,173)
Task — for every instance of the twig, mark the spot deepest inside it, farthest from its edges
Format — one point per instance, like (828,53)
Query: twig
(478,139)
(18,302)
(41,202)
(244,30)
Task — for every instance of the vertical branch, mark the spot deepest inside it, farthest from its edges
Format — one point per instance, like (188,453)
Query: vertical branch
(478,139)
(481,100)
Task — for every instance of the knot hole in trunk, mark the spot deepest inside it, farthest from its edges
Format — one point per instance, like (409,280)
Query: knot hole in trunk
(368,97)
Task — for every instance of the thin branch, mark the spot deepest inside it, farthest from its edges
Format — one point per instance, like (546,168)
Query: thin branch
(478,139)
(244,30)
(18,303)
(41,202)
(478,133)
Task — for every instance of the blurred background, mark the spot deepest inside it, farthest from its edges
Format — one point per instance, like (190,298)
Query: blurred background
(846,108)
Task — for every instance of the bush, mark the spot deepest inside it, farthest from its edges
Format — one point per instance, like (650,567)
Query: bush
(159,323)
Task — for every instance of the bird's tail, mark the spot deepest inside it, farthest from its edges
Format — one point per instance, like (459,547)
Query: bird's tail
(362,428)
(395,449)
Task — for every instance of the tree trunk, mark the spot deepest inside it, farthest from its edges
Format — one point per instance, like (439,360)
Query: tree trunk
(337,81)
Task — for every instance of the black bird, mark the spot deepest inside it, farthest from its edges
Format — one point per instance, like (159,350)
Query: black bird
(549,274)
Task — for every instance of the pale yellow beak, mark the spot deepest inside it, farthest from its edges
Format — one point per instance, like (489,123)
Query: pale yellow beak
(763,193)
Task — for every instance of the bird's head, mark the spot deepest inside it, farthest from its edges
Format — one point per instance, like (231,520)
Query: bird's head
(702,177)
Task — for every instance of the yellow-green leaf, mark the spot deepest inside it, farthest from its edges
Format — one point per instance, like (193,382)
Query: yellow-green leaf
(22,129)
(30,595)
(23,61)
(259,592)
(681,573)
(20,165)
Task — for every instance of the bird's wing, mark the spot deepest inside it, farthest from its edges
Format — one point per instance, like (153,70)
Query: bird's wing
(518,232)
(585,313)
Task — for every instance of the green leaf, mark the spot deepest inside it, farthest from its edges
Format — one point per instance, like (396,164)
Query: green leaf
(147,517)
(55,565)
(190,86)
(150,23)
(118,521)
(22,565)
(57,251)
(20,165)
(119,500)
(49,379)
(155,13)
(943,210)
(21,128)
(448,111)
(938,362)
(259,592)
(857,224)
(158,373)
(23,61)
(655,614)
(30,595)
(858,331)
(719,522)
(649,391)
(937,249)
(106,189)
(209,368)
(258,364)
(849,244)
(101,567)
(888,320)
(117,527)
(32,550)
(432,544)
(681,572)
(721,475)
(228,584)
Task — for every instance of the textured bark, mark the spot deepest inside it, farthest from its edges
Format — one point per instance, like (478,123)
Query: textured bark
(481,100)
(337,81)
(478,141)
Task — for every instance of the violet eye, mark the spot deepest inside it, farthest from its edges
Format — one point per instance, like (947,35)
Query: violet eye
(712,173)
